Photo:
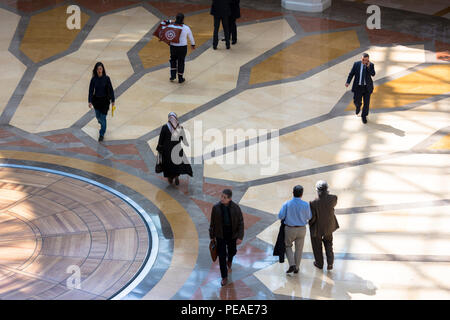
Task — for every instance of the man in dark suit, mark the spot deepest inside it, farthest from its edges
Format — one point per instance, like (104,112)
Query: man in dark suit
(322,225)
(221,10)
(235,14)
(227,227)
(362,88)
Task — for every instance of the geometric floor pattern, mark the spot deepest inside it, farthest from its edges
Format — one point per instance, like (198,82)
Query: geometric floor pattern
(285,76)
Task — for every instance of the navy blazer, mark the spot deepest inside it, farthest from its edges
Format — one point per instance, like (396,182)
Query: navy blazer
(370,72)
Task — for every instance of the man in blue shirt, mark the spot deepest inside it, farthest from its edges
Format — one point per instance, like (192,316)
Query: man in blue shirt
(295,214)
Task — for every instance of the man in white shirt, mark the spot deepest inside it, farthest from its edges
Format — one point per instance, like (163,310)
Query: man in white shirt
(362,88)
(178,50)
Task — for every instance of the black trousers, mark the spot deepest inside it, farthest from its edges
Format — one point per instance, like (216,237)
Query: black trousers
(226,248)
(177,57)
(361,93)
(233,29)
(316,243)
(226,30)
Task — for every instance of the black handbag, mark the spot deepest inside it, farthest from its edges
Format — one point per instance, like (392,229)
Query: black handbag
(158,166)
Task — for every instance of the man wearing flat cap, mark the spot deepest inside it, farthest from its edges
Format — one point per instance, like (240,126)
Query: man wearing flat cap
(322,224)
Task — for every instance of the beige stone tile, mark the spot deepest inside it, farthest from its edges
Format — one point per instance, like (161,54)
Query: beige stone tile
(12,69)
(208,76)
(355,279)
(279,106)
(110,40)
(404,179)
(344,139)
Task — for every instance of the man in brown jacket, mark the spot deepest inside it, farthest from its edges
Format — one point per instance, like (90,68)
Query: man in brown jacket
(322,224)
(227,227)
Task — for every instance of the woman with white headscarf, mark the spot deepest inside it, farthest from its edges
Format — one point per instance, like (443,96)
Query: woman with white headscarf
(173,161)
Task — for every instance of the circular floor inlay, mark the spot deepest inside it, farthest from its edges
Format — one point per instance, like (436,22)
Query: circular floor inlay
(52,226)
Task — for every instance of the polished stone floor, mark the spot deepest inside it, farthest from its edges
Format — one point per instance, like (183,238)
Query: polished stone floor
(286,76)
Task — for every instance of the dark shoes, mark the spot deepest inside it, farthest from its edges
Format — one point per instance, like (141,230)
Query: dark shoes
(101,138)
(232,41)
(292,269)
(358,110)
(215,47)
(224,282)
(317,266)
(364,120)
(228,47)
(180,79)
(170,180)
(329,267)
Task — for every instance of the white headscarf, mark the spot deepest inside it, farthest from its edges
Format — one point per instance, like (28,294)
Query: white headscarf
(173,122)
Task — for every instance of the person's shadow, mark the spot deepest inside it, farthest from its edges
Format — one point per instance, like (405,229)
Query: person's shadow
(324,286)
(386,128)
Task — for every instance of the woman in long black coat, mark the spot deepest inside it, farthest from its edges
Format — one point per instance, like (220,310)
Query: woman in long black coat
(101,95)
(173,160)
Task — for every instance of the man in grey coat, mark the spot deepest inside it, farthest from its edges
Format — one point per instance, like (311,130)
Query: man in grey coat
(322,224)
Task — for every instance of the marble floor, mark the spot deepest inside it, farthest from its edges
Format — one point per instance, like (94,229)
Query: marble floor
(68,202)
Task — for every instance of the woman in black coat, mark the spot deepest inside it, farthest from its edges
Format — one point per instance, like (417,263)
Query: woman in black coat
(174,162)
(101,95)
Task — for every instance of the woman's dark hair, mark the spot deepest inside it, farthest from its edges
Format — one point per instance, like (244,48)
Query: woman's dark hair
(94,72)
(179,18)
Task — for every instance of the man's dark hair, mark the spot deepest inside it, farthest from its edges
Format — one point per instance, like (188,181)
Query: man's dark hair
(179,18)
(365,55)
(228,193)
(298,191)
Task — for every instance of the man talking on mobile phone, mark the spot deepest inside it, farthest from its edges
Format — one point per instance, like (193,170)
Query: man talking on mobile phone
(362,88)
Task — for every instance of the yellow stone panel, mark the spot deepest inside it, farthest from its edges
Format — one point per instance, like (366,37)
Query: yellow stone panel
(47,34)
(443,144)
(419,85)
(157,52)
(306,54)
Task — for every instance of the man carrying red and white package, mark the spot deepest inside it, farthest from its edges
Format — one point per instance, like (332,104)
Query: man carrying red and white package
(176,34)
